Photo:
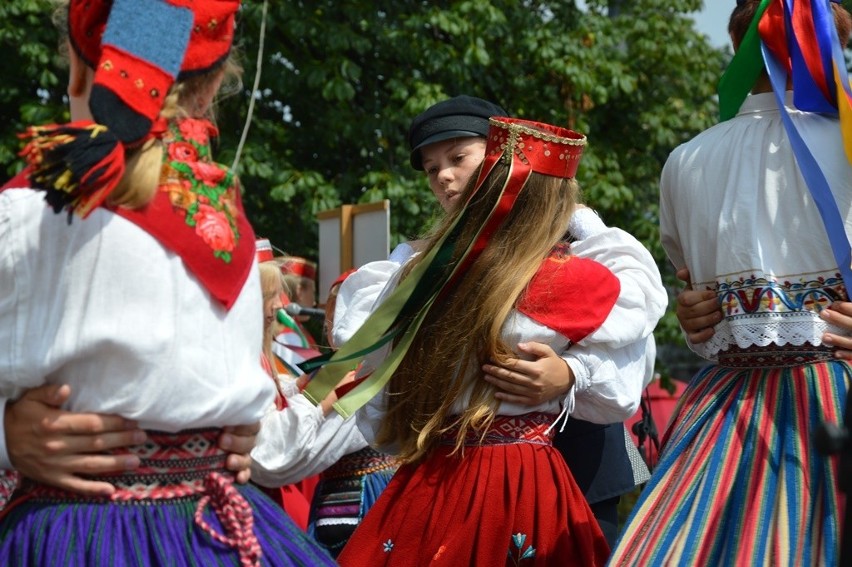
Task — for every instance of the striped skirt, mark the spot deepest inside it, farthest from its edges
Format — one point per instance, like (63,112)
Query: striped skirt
(347,490)
(179,508)
(509,500)
(739,481)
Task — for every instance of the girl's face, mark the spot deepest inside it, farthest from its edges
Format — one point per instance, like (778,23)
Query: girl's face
(306,293)
(449,166)
(271,304)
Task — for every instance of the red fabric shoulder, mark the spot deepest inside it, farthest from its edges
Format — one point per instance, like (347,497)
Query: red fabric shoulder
(19,181)
(570,295)
(196,243)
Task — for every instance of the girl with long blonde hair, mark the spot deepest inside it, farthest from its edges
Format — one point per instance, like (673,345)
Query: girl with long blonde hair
(481,483)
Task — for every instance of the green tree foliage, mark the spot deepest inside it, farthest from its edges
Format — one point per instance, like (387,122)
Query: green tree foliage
(32,86)
(341,81)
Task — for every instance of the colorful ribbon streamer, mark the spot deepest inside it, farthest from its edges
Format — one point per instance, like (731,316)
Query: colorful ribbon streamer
(796,42)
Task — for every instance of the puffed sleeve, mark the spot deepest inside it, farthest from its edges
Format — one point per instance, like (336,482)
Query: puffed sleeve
(669,235)
(298,441)
(608,381)
(357,297)
(613,364)
(370,418)
(642,300)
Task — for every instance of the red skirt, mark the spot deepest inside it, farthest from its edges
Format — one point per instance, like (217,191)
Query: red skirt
(508,501)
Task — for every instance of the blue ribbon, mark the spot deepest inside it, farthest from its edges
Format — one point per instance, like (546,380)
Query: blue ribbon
(813,175)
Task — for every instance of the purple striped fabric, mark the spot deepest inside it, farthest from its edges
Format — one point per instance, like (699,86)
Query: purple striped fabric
(152,518)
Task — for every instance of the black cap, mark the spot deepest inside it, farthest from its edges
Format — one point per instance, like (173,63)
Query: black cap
(459,117)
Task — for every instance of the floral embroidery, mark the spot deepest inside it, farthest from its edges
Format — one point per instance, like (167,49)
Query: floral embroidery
(750,295)
(197,131)
(388,546)
(201,189)
(518,541)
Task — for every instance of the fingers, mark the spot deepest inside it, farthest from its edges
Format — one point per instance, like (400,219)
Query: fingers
(844,307)
(701,336)
(510,376)
(95,465)
(515,388)
(692,299)
(84,487)
(80,444)
(535,349)
(50,394)
(510,382)
(843,345)
(240,465)
(839,314)
(243,476)
(61,472)
(683,275)
(66,423)
(698,312)
(233,443)
(700,323)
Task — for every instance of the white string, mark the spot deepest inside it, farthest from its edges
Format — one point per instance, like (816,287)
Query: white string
(254,87)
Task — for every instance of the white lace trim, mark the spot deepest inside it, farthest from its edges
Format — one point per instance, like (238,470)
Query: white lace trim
(763,330)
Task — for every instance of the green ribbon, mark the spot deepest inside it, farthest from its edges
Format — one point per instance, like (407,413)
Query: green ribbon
(284,318)
(745,68)
(409,301)
(400,315)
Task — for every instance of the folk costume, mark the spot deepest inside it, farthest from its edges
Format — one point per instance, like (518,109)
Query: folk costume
(302,442)
(494,504)
(618,366)
(300,274)
(298,443)
(181,270)
(602,457)
(739,480)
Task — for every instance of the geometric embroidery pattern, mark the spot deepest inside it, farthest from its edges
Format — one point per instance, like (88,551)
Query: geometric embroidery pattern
(178,465)
(532,428)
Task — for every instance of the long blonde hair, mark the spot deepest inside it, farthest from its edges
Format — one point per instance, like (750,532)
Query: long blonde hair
(270,285)
(463,329)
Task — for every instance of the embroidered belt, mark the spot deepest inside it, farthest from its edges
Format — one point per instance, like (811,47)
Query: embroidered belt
(177,465)
(532,428)
(774,356)
(359,463)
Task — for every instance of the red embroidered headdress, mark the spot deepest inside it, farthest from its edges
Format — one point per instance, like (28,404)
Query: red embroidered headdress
(532,146)
(138,48)
(299,267)
(526,147)
(264,250)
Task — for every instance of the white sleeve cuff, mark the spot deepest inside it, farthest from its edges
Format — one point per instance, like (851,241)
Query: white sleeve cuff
(582,376)
(584,223)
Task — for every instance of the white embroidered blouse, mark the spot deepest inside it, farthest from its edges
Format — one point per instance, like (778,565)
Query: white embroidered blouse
(612,365)
(99,304)
(735,210)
